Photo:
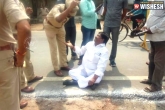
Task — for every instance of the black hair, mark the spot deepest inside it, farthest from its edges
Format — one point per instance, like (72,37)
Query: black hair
(104,36)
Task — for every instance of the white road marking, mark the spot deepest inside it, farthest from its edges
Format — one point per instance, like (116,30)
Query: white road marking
(104,78)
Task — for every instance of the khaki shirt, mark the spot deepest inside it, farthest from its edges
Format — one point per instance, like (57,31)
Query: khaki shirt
(54,12)
(9,12)
(22,8)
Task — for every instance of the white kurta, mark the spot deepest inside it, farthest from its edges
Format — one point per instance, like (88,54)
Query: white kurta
(156,23)
(94,63)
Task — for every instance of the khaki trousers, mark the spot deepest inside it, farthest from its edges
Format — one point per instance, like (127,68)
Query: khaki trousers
(28,72)
(56,39)
(9,82)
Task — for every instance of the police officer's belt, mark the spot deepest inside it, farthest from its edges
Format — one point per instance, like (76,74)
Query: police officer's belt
(6,47)
(51,23)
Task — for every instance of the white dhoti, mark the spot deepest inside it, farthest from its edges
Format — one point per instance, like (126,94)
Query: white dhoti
(82,76)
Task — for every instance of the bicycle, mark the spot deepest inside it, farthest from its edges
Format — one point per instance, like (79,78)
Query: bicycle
(124,29)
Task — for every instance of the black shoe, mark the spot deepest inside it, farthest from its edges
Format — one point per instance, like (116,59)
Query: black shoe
(93,87)
(70,82)
(113,64)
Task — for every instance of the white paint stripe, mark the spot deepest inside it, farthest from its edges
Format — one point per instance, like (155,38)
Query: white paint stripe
(104,78)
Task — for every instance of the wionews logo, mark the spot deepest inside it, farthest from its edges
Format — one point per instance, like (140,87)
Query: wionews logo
(150,5)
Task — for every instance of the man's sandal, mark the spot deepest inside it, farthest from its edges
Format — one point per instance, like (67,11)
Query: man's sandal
(27,89)
(152,88)
(58,73)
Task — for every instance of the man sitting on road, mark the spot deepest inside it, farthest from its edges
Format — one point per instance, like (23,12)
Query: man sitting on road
(94,62)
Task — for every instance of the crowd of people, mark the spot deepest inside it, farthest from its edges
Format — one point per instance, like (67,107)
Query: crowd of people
(60,29)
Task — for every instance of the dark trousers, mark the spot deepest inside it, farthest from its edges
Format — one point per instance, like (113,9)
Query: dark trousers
(70,36)
(135,23)
(115,35)
(157,63)
(88,35)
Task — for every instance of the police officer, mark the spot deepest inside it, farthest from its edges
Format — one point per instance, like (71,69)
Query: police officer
(55,32)
(9,78)
(28,69)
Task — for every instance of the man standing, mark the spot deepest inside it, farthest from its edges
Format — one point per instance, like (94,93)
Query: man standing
(112,11)
(55,32)
(28,69)
(9,78)
(155,26)
(89,20)
(93,65)
(70,29)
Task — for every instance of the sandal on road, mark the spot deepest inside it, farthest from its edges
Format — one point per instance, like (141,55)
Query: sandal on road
(152,88)
(36,78)
(58,73)
(27,89)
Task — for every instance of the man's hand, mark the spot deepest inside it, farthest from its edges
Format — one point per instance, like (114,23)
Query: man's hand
(73,4)
(69,44)
(144,28)
(20,60)
(91,81)
(148,31)
(29,10)
(131,14)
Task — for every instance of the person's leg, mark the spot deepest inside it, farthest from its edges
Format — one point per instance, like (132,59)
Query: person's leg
(151,65)
(86,35)
(77,73)
(107,30)
(73,39)
(135,23)
(92,33)
(115,35)
(9,82)
(51,37)
(28,69)
(86,38)
(62,47)
(23,82)
(159,61)
(67,36)
(83,81)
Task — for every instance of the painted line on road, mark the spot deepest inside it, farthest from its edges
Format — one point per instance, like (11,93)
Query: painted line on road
(104,78)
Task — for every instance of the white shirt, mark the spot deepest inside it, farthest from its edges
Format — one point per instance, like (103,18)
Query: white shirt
(95,58)
(156,23)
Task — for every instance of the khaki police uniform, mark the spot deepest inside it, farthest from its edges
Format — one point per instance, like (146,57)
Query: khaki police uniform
(9,78)
(28,70)
(55,32)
